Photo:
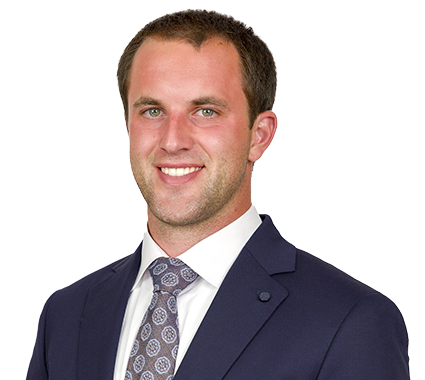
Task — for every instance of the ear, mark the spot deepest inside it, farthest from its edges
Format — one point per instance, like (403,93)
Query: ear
(262,134)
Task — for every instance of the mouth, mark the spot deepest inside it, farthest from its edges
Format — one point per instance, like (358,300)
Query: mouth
(179,172)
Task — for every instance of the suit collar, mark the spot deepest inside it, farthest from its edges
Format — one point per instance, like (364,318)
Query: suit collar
(271,250)
(102,319)
(237,312)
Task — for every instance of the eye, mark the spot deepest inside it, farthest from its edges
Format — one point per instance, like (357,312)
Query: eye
(206,112)
(153,112)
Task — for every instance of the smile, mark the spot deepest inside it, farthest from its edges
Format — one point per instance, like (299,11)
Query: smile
(179,172)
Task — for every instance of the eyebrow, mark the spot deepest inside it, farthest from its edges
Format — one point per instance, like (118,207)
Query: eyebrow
(206,100)
(210,100)
(146,102)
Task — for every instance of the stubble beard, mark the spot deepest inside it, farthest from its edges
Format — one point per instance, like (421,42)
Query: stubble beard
(213,199)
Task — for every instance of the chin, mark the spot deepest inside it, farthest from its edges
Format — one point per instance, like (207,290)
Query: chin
(184,216)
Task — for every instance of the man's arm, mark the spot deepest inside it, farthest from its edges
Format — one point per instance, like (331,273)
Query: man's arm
(37,368)
(371,343)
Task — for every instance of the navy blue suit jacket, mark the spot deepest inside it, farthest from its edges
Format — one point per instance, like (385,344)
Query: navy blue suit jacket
(316,323)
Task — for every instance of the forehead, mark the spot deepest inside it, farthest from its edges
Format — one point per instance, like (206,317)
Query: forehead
(174,61)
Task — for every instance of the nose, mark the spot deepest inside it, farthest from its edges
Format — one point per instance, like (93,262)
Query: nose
(176,134)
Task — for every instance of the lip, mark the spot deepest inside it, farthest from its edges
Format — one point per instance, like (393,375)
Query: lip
(179,165)
(182,179)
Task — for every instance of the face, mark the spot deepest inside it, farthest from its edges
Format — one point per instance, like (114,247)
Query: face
(189,134)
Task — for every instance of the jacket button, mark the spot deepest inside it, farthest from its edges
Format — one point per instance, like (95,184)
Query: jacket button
(264,296)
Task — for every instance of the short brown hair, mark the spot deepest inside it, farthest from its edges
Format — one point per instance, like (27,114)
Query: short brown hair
(198,26)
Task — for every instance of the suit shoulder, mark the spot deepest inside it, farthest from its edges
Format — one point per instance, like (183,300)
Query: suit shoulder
(328,287)
(79,289)
(329,291)
(320,274)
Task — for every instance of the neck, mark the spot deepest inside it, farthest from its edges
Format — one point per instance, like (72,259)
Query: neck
(175,240)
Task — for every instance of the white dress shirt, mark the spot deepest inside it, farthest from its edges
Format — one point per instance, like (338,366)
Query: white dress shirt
(211,258)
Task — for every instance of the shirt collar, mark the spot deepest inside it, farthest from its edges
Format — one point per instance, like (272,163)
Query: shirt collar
(212,257)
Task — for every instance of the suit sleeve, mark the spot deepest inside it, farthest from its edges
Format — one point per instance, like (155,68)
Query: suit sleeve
(371,343)
(38,369)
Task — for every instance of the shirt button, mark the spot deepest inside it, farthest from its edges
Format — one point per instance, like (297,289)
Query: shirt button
(264,296)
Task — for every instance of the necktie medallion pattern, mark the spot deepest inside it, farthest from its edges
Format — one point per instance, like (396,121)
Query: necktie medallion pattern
(155,348)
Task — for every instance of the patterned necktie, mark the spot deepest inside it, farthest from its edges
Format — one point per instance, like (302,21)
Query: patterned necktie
(154,352)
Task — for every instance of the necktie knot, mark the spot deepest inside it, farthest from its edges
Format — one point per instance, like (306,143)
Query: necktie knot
(171,275)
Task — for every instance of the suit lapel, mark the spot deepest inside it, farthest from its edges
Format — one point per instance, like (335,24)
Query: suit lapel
(237,312)
(102,320)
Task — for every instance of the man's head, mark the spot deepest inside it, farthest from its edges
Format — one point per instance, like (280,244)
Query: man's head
(193,134)
(197,27)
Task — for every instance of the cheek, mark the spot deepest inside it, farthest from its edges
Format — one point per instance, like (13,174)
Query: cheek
(229,153)
(142,143)
(236,143)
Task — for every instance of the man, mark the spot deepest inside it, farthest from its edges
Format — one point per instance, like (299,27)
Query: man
(198,89)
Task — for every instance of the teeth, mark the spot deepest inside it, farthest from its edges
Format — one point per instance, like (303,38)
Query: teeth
(178,172)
